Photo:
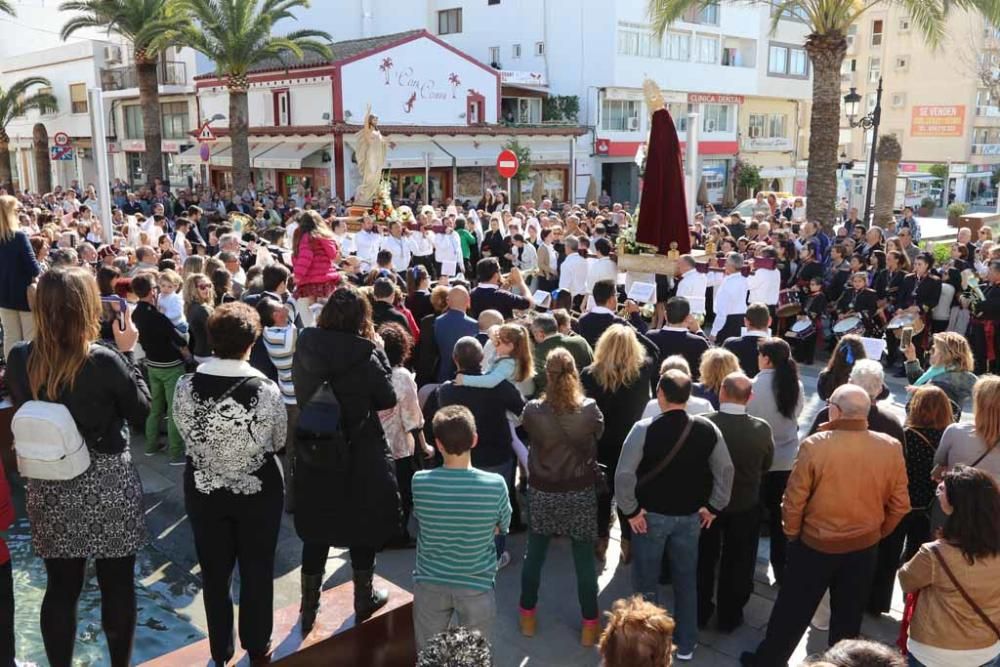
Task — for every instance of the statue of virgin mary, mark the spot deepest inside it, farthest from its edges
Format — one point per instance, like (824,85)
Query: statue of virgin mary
(369,151)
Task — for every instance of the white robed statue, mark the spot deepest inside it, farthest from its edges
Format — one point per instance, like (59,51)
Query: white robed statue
(370,149)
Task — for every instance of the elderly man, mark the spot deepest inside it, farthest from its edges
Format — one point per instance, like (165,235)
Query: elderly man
(545,333)
(449,327)
(730,300)
(573,272)
(691,285)
(834,514)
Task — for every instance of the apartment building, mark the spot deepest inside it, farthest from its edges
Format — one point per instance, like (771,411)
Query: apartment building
(933,101)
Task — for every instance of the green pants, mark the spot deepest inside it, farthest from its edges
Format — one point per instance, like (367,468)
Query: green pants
(586,574)
(161,389)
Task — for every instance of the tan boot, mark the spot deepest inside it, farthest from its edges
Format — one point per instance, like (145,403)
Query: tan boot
(626,549)
(528,621)
(590,632)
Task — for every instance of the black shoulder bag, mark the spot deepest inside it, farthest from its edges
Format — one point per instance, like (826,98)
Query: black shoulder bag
(321,440)
(662,465)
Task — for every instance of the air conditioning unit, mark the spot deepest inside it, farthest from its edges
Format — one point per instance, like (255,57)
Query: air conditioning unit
(633,124)
(112,54)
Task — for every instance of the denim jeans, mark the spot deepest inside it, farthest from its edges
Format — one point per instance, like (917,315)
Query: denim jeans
(505,470)
(679,534)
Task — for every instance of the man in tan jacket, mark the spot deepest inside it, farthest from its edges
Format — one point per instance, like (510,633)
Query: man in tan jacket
(847,490)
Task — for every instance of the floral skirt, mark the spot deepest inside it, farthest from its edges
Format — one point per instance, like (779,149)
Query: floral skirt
(98,514)
(565,513)
(316,290)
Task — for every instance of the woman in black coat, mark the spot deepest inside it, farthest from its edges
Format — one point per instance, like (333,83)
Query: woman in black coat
(357,506)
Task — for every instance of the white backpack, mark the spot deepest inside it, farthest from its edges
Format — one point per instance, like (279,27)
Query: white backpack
(48,443)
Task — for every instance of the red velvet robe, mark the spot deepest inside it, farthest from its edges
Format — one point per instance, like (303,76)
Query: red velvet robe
(663,216)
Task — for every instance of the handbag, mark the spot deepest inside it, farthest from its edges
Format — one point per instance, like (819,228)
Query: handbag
(662,465)
(972,603)
(321,440)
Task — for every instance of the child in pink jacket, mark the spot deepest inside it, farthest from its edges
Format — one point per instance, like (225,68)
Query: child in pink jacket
(314,264)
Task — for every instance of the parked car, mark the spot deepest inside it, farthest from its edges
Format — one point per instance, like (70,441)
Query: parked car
(745,207)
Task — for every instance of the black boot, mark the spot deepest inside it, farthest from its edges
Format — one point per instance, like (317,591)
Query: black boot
(366,599)
(311,585)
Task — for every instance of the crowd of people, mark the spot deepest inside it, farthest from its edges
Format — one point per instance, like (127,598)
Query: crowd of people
(462,371)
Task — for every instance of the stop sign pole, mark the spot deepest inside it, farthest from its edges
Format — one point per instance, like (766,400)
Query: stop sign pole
(507,166)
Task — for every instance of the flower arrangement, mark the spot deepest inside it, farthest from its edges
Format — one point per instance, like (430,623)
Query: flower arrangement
(627,245)
(382,208)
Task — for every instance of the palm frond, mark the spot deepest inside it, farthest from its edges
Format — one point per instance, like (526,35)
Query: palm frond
(664,12)
(7,8)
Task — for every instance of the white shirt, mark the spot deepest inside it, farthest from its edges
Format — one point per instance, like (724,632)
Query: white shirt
(601,268)
(367,244)
(764,286)
(345,242)
(180,247)
(448,248)
(692,286)
(695,406)
(573,274)
(526,257)
(422,243)
(290,235)
(400,249)
(730,299)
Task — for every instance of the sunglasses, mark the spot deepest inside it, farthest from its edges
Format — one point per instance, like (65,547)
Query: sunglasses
(204,287)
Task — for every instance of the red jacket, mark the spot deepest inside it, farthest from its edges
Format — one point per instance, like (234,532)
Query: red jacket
(316,261)
(6,514)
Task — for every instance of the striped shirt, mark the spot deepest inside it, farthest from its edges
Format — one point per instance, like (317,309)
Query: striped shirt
(280,345)
(458,511)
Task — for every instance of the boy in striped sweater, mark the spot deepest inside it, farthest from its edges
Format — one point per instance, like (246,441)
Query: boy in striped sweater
(279,336)
(459,510)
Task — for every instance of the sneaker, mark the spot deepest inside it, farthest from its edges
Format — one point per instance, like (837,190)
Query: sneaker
(177,459)
(152,451)
(686,656)
(504,560)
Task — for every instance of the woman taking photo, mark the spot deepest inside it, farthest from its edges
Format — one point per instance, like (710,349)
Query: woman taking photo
(233,491)
(18,270)
(956,617)
(974,444)
(99,513)
(777,399)
(951,365)
(199,300)
(355,508)
(619,380)
(564,427)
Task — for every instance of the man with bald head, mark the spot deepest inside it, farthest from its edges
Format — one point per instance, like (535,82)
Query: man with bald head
(734,535)
(847,491)
(451,325)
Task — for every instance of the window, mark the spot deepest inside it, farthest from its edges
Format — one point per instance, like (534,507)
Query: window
(635,40)
(492,2)
(785,60)
(898,100)
(539,48)
(852,36)
(877,32)
(718,118)
(794,13)
(777,60)
(133,121)
(282,108)
(526,110)
(708,15)
(767,126)
(904,24)
(870,101)
(46,110)
(798,63)
(902,62)
(515,51)
(620,115)
(874,69)
(677,47)
(679,112)
(450,21)
(78,97)
(174,120)
(708,50)
(494,54)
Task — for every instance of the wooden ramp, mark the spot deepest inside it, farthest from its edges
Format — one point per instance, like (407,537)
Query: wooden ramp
(384,640)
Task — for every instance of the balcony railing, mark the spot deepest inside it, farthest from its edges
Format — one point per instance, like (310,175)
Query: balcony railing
(170,73)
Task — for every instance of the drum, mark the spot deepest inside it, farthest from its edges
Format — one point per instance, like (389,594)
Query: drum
(849,325)
(788,303)
(801,329)
(903,320)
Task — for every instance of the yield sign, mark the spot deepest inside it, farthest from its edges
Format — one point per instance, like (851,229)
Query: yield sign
(205,133)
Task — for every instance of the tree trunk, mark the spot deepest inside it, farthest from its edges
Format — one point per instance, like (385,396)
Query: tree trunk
(239,113)
(5,170)
(885,192)
(826,53)
(40,153)
(149,100)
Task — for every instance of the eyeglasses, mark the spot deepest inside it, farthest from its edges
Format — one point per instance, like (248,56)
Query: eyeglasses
(204,287)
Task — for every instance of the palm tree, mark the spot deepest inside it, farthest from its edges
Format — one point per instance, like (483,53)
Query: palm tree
(236,35)
(14,102)
(826,45)
(43,164)
(7,8)
(888,155)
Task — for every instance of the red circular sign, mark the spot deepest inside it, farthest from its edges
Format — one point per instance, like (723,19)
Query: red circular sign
(507,164)
(61,139)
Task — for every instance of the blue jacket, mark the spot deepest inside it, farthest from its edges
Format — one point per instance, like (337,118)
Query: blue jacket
(18,268)
(448,328)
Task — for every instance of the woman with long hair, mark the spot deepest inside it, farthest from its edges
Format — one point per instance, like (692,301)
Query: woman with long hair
(199,301)
(357,506)
(619,380)
(564,427)
(951,364)
(314,264)
(777,399)
(838,369)
(97,514)
(955,619)
(418,292)
(974,444)
(18,270)
(716,363)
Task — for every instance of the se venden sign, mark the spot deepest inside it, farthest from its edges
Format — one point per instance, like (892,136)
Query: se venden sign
(938,121)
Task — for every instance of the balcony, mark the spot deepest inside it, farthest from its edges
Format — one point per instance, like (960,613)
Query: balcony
(988,111)
(986,149)
(169,73)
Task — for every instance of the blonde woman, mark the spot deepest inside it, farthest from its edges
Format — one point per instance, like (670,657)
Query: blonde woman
(638,634)
(974,444)
(716,364)
(18,270)
(199,302)
(564,427)
(951,364)
(193,264)
(619,380)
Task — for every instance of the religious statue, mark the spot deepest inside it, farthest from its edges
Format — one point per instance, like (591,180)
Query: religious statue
(370,149)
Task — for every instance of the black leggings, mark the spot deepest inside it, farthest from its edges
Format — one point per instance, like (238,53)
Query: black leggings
(116,579)
(314,557)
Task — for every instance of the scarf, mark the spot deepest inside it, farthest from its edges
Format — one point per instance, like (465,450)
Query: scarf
(929,375)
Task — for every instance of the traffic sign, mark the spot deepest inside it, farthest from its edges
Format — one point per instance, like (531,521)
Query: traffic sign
(205,151)
(205,133)
(61,152)
(507,163)
(61,139)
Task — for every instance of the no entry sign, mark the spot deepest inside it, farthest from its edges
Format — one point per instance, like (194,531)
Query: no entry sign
(507,164)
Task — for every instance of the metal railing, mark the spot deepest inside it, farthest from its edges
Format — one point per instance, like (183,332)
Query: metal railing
(170,73)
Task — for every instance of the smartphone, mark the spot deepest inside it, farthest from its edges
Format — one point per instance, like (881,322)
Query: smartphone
(121,312)
(906,338)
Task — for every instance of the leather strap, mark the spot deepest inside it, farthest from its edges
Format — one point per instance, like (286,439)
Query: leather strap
(975,607)
(662,465)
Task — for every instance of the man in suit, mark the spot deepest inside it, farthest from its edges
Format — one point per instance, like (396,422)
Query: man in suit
(758,325)
(490,296)
(603,314)
(677,336)
(545,333)
(449,327)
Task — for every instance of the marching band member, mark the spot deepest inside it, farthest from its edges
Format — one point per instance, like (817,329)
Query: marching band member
(367,243)
(918,294)
(813,308)
(873,241)
(862,301)
(984,329)
(448,250)
(878,274)
(809,265)
(765,283)
(840,273)
(730,300)
(691,284)
(787,253)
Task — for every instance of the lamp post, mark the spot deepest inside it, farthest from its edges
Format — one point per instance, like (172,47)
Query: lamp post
(869,122)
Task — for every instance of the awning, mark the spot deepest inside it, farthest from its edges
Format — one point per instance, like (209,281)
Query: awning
(287,155)
(225,157)
(190,157)
(471,153)
(410,155)
(222,156)
(546,151)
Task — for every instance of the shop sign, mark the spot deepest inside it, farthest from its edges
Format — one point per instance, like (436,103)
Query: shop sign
(714,98)
(523,78)
(133,145)
(767,144)
(938,121)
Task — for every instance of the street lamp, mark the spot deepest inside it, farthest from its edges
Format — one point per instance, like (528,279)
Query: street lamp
(852,101)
